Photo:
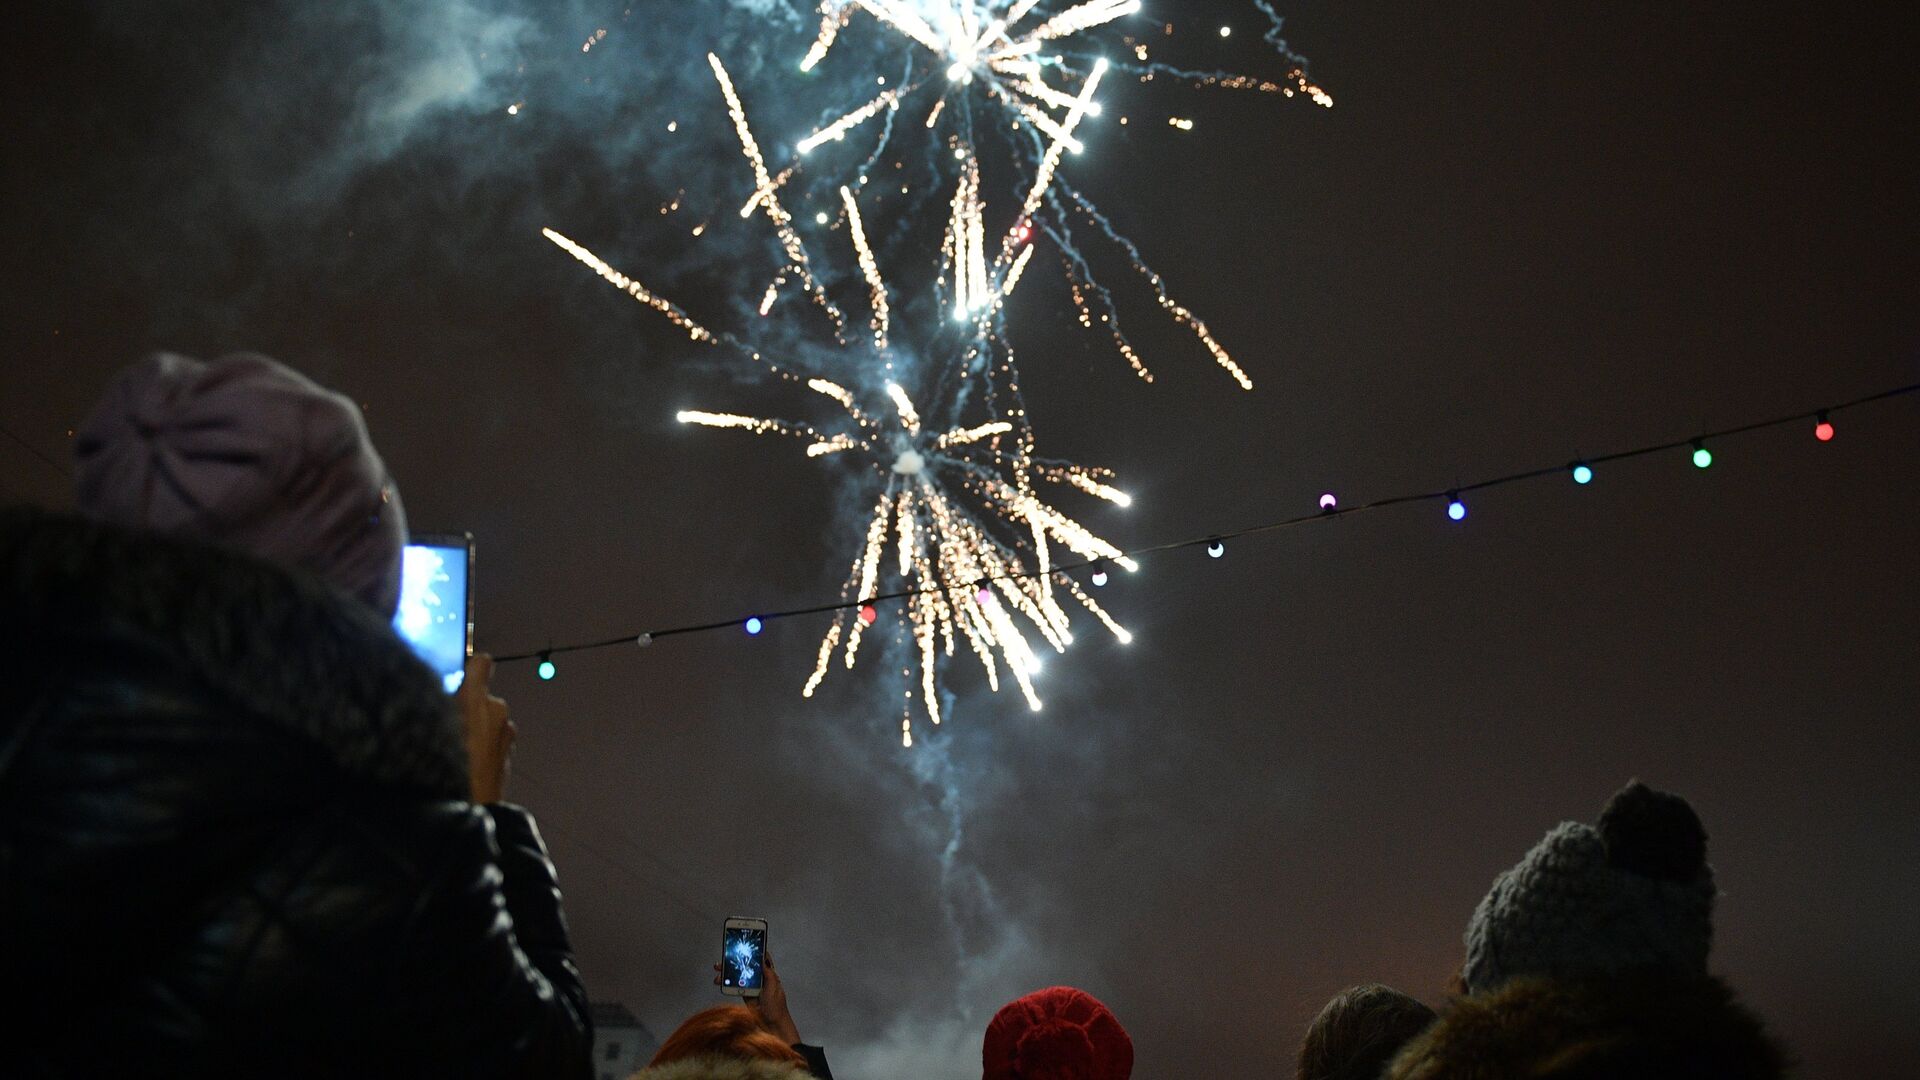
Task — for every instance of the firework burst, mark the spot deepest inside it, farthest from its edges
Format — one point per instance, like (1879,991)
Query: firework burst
(973,44)
(1013,64)
(957,534)
(956,501)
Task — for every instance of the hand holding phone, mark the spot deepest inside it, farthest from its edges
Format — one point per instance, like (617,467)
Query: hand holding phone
(489,732)
(743,955)
(772,999)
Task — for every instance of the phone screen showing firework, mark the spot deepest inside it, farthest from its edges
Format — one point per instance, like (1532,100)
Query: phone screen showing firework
(743,954)
(436,610)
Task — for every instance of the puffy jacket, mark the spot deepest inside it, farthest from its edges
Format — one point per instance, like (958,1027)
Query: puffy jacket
(234,837)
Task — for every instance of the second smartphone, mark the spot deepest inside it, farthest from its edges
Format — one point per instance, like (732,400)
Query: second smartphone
(743,957)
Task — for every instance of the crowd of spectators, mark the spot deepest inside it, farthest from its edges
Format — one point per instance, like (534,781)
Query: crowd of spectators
(244,832)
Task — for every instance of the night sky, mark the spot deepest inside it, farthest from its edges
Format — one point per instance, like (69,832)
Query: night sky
(1525,233)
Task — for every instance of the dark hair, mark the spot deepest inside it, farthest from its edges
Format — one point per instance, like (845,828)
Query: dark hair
(1358,1033)
(734,1031)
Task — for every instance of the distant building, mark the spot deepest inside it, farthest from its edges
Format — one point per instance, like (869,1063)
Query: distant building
(621,1043)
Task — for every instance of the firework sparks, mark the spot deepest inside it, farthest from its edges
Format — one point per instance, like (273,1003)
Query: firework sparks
(975,45)
(957,519)
(869,269)
(971,538)
(1035,68)
(631,287)
(766,193)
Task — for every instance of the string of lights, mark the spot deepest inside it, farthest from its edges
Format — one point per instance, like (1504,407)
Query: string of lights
(1580,471)
(37,452)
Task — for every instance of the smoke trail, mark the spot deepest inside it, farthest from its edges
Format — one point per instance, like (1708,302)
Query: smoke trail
(1274,34)
(952,783)
(979,931)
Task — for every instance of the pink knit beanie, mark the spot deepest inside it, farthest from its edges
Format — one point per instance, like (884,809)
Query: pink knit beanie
(248,452)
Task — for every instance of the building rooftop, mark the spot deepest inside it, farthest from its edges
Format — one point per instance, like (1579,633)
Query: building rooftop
(612,1014)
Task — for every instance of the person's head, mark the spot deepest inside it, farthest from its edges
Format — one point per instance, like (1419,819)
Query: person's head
(1633,893)
(1358,1033)
(1056,1034)
(246,452)
(722,1067)
(729,1031)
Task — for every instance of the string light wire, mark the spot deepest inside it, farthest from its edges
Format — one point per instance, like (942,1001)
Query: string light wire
(37,452)
(1449,493)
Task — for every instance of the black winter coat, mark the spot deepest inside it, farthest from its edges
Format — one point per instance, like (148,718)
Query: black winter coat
(234,835)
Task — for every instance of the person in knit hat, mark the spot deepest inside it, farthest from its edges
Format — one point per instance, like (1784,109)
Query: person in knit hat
(1059,1033)
(242,825)
(1588,961)
(1631,892)
(246,452)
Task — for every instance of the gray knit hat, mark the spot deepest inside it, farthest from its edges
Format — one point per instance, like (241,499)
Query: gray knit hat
(1632,893)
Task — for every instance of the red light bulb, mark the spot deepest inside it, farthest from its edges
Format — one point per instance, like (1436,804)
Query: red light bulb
(868,614)
(1823,430)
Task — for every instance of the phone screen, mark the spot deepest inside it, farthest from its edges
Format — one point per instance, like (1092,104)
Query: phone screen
(434,614)
(742,952)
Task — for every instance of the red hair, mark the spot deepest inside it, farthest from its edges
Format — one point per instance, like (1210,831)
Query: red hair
(728,1030)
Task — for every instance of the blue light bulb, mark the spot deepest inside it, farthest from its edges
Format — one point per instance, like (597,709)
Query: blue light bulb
(1456,509)
(546,670)
(1582,474)
(754,625)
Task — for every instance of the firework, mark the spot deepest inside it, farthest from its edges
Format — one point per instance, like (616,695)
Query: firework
(975,42)
(972,541)
(959,544)
(1034,67)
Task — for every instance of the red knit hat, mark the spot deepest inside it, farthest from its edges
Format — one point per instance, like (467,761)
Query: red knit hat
(1056,1034)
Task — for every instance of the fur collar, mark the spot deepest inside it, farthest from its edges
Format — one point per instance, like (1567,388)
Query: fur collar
(263,641)
(1645,1027)
(714,1067)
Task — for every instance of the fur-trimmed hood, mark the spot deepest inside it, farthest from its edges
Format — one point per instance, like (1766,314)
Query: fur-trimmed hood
(715,1067)
(274,645)
(1628,1028)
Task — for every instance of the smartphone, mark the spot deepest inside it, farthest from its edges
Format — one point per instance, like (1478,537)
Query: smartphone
(436,602)
(743,957)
